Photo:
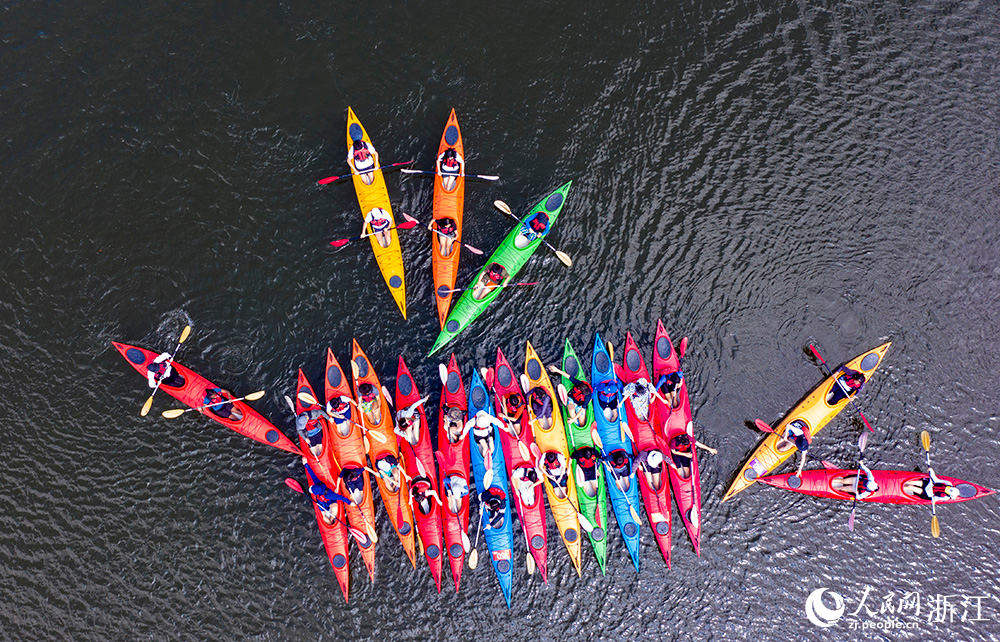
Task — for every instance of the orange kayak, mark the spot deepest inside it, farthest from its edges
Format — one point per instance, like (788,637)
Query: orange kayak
(449,198)
(349,449)
(384,453)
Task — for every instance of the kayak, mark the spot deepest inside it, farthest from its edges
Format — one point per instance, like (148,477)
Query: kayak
(325,467)
(418,459)
(891,486)
(244,419)
(371,196)
(671,422)
(622,486)
(653,482)
(392,485)
(448,203)
(814,411)
(593,502)
(550,437)
(349,449)
(453,471)
(520,463)
(513,253)
(499,539)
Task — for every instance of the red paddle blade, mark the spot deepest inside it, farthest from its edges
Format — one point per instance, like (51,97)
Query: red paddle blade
(294,485)
(763,426)
(328,179)
(408,224)
(816,352)
(340,243)
(850,521)
(683,348)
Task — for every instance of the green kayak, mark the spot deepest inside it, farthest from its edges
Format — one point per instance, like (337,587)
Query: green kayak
(503,266)
(585,464)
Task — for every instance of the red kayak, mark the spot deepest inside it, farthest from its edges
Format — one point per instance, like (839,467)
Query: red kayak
(243,419)
(418,460)
(671,422)
(453,468)
(531,507)
(894,486)
(653,482)
(325,466)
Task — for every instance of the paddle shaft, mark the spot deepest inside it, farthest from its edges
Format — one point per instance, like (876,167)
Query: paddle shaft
(402,226)
(427,172)
(331,179)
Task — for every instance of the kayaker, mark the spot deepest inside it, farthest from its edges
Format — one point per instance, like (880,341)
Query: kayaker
(607,397)
(370,403)
(454,421)
(422,493)
(448,233)
(586,461)
(451,167)
(533,229)
(339,409)
(363,158)
(576,400)
(325,498)
(525,481)
(162,372)
(380,222)
(218,402)
(554,466)
(354,482)
(492,277)
(640,392)
(651,464)
(309,425)
(387,467)
(668,385)
(482,424)
(620,469)
(681,454)
(455,490)
(861,484)
(797,435)
(494,500)
(852,380)
(408,422)
(541,404)
(512,408)
(931,488)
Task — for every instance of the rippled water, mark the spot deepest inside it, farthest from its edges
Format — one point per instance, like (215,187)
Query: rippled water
(759,175)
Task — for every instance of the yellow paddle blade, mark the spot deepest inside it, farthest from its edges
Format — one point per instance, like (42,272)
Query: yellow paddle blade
(146,406)
(474,558)
(306,398)
(254,396)
(935,527)
(611,352)
(925,441)
(371,531)
(564,258)
(368,446)
(171,414)
(466,544)
(523,450)
(185,333)
(503,207)
(379,437)
(635,515)
(596,436)
(420,545)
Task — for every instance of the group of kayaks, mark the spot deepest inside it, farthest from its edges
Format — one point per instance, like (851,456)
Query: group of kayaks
(576,439)
(380,227)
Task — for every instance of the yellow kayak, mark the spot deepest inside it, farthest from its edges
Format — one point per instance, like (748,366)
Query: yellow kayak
(550,437)
(374,198)
(815,411)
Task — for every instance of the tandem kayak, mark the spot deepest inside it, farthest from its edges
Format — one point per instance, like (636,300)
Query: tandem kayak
(894,486)
(418,457)
(349,448)
(384,455)
(672,421)
(550,436)
(513,253)
(814,411)
(372,193)
(453,468)
(520,463)
(191,391)
(589,480)
(449,201)
(325,466)
(654,482)
(621,480)
(500,537)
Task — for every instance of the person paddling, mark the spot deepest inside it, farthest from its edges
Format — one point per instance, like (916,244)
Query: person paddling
(309,425)
(448,233)
(554,466)
(620,469)
(422,493)
(682,454)
(533,229)
(607,396)
(931,488)
(851,379)
(797,435)
(512,410)
(380,223)
(454,422)
(325,498)
(587,459)
(363,158)
(525,479)
(494,500)
(162,372)
(641,394)
(370,403)
(354,482)
(456,488)
(218,403)
(386,467)
(541,405)
(492,278)
(339,409)
(450,163)
(408,422)
(861,484)
(669,385)
(482,431)
(651,464)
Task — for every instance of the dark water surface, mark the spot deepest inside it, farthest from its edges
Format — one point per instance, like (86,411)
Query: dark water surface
(760,175)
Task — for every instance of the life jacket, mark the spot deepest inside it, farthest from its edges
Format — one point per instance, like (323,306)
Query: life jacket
(362,154)
(539,222)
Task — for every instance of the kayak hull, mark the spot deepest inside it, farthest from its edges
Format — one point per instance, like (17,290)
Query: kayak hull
(453,461)
(820,483)
(447,204)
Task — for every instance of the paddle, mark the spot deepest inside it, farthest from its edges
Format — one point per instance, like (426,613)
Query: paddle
(491,287)
(843,388)
(925,441)
(149,402)
(402,226)
(474,553)
(310,400)
(177,412)
(600,444)
(862,442)
(357,534)
(762,426)
(331,179)
(562,256)
(474,250)
(427,172)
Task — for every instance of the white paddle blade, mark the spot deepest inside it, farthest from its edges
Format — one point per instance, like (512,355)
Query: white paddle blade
(523,450)
(443,374)
(585,523)
(466,544)
(525,385)
(488,478)
(503,207)
(308,399)
(564,258)
(530,562)
(254,396)
(176,412)
(474,559)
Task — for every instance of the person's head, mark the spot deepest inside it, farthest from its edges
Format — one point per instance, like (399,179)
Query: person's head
(951,492)
(446,225)
(514,402)
(367,391)
(682,442)
(654,459)
(495,271)
(482,419)
(383,465)
(618,457)
(578,395)
(552,460)
(539,222)
(359,145)
(450,153)
(454,413)
(338,404)
(494,502)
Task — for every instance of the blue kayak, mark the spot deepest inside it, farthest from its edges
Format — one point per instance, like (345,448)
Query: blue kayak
(500,538)
(623,488)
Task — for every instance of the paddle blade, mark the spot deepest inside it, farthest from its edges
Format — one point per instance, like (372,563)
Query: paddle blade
(563,395)
(627,432)
(340,243)
(254,396)
(564,258)
(816,353)
(523,450)
(683,348)
(925,440)
(530,563)
(585,523)
(762,426)
(379,437)
(525,385)
(935,527)
(358,535)
(862,442)
(443,374)
(466,544)
(474,559)
(410,222)
(388,397)
(488,478)
(307,399)
(850,521)
(596,436)
(185,333)
(294,485)
(635,515)
(420,545)
(291,404)
(327,180)
(174,413)
(503,207)
(146,406)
